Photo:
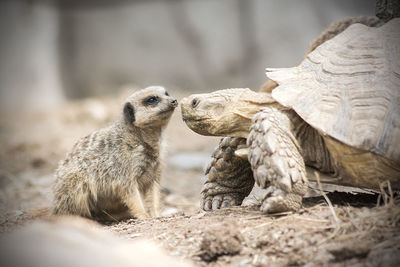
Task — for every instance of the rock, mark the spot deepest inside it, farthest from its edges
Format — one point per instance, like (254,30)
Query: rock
(169,211)
(74,241)
(190,161)
(220,240)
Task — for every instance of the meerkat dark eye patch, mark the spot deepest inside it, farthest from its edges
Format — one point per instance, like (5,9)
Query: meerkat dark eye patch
(151,101)
(129,113)
(166,93)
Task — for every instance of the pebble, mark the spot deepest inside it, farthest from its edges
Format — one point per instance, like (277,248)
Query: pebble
(190,161)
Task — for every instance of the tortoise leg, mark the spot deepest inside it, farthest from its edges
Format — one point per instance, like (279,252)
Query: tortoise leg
(230,178)
(276,161)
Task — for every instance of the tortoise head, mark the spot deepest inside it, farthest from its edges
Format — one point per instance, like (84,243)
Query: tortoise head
(225,112)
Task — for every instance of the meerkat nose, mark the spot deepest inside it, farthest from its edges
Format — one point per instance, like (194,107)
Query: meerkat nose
(174,103)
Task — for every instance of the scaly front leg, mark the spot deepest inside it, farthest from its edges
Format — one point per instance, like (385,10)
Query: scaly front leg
(276,161)
(230,178)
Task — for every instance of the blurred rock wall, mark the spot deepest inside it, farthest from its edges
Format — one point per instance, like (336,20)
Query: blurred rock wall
(29,54)
(51,49)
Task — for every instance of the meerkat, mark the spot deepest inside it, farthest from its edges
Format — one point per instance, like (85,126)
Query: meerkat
(114,173)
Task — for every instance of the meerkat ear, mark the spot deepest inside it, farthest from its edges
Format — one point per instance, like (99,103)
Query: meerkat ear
(129,113)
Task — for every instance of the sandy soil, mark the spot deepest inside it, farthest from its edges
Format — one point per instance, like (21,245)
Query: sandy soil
(353,231)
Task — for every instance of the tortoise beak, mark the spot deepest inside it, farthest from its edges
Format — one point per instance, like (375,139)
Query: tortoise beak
(185,110)
(189,108)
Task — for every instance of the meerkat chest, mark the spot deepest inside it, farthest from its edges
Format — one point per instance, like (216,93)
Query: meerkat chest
(144,158)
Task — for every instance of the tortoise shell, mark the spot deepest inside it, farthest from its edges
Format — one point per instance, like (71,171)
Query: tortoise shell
(349,88)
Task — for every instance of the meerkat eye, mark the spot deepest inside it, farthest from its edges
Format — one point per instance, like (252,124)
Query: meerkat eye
(166,93)
(151,100)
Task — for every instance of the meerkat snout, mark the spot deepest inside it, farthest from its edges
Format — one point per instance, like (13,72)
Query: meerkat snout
(114,173)
(174,103)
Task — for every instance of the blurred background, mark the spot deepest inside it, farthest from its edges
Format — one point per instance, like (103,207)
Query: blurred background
(53,50)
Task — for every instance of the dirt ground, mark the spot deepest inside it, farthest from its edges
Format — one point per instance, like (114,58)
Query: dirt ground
(354,230)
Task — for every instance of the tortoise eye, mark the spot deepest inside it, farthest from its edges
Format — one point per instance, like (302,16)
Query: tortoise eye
(195,102)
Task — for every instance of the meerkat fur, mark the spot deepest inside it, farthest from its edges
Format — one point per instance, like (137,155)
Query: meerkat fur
(114,173)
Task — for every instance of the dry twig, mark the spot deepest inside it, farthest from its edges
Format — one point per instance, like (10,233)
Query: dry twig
(327,199)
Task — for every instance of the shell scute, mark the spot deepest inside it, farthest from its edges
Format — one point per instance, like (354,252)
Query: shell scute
(349,88)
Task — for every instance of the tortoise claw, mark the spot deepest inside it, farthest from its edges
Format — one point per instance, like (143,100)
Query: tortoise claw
(206,203)
(277,200)
(230,178)
(227,203)
(222,200)
(216,203)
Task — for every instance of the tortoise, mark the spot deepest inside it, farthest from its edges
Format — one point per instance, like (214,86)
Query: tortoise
(337,113)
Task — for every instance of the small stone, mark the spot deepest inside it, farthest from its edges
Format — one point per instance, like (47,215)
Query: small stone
(220,240)
(197,161)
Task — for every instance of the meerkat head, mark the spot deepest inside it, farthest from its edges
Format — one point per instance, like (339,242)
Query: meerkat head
(149,107)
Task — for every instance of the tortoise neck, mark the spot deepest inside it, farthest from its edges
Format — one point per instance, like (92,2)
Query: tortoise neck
(313,148)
